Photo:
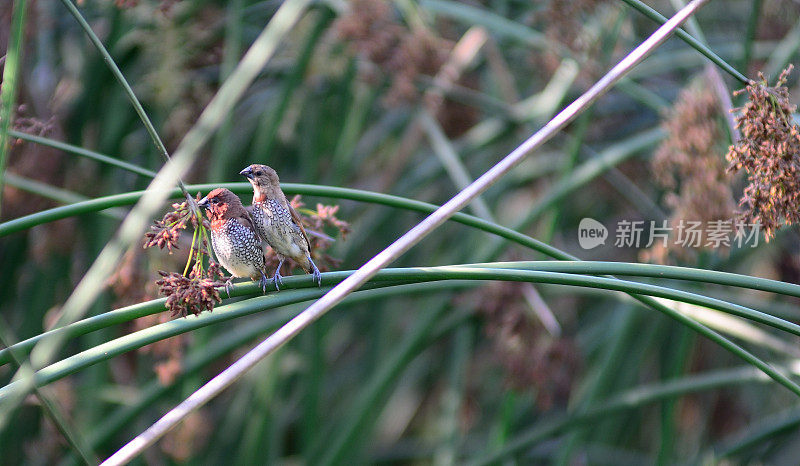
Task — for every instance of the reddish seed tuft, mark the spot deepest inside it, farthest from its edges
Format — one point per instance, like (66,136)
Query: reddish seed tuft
(191,294)
(167,231)
(769,152)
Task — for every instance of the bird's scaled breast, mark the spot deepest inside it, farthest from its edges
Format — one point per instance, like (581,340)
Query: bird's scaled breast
(237,249)
(278,228)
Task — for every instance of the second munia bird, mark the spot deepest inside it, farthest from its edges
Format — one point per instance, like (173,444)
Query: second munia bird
(277,221)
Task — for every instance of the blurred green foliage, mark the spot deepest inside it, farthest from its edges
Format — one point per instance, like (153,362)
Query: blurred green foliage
(369,95)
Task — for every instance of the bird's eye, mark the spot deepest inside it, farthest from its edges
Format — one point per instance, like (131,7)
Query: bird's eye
(215,200)
(258,173)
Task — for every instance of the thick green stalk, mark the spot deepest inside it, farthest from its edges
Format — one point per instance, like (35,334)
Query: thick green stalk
(223,344)
(50,215)
(392,276)
(652,270)
(506,233)
(48,191)
(155,333)
(586,172)
(135,311)
(129,313)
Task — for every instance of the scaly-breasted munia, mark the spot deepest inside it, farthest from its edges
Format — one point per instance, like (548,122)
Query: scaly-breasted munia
(277,222)
(234,237)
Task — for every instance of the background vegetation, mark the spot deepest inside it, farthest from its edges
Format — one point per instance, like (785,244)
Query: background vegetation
(440,365)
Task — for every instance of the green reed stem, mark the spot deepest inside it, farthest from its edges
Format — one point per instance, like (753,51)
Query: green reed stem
(8,93)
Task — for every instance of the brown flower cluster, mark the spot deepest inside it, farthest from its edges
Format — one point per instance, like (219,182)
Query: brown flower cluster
(190,294)
(402,54)
(196,291)
(531,357)
(769,152)
(689,164)
(167,231)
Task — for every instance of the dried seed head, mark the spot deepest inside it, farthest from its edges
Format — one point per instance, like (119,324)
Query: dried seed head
(189,294)
(167,231)
(689,163)
(769,152)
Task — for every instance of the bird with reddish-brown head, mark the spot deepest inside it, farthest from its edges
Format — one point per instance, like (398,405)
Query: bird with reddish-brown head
(234,237)
(277,221)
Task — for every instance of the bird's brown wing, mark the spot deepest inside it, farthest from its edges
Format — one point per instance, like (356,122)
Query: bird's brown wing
(296,219)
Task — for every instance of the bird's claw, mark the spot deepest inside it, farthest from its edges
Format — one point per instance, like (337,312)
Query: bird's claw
(228,286)
(277,281)
(263,282)
(316,276)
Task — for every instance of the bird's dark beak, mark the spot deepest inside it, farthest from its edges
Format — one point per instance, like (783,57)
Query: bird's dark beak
(203,202)
(247,173)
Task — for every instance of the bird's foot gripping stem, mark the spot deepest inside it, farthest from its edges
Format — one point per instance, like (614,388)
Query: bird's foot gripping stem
(263,282)
(316,276)
(228,285)
(276,280)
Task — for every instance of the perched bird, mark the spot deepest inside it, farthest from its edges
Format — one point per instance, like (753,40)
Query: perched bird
(235,240)
(277,222)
